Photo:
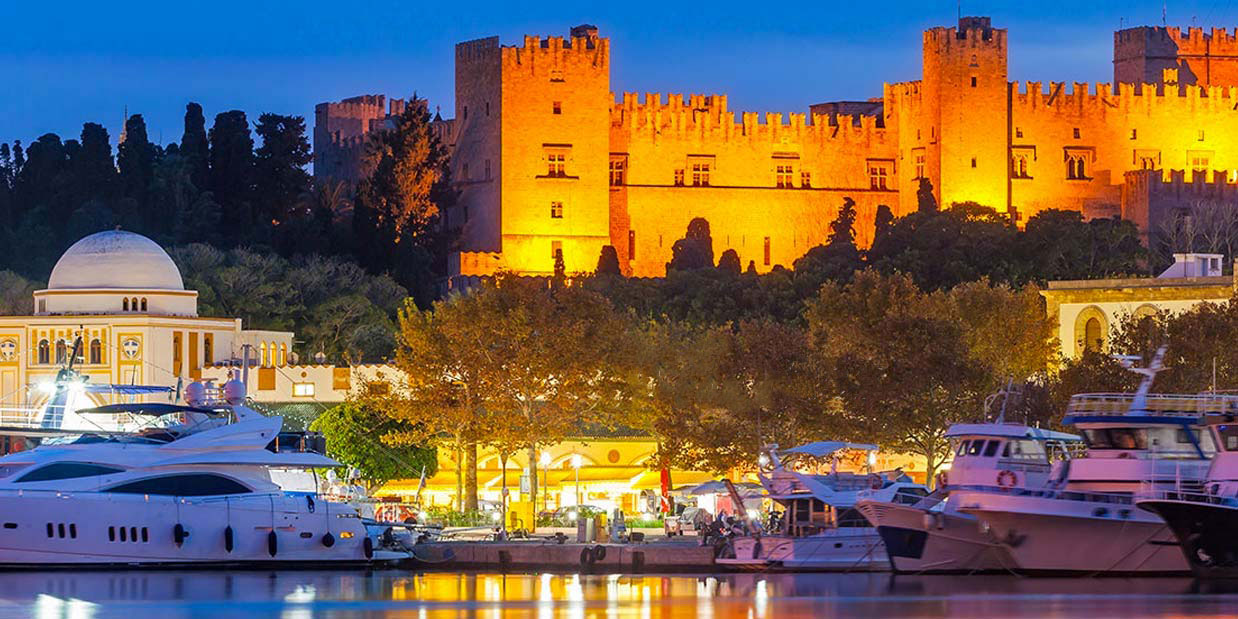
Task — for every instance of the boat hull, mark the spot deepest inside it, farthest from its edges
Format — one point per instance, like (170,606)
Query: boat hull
(1044,535)
(47,529)
(857,549)
(922,541)
(1205,533)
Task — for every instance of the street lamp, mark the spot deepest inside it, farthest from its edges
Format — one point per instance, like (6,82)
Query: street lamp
(545,462)
(576,465)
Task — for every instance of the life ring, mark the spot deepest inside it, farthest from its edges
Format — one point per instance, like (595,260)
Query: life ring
(875,481)
(1007,479)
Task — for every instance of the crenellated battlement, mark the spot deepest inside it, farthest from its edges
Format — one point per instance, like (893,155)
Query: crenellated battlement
(1080,95)
(971,32)
(708,116)
(583,49)
(1193,40)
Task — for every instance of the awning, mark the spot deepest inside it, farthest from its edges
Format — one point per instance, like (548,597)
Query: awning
(821,449)
(652,480)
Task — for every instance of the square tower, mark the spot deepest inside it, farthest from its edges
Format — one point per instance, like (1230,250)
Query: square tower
(965,98)
(532,152)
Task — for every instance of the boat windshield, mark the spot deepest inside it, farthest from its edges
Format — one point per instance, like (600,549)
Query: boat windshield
(88,439)
(1162,441)
(1228,435)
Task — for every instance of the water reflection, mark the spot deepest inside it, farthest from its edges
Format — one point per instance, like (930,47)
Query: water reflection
(390,594)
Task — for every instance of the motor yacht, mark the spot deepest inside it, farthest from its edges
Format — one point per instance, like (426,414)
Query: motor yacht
(932,535)
(1084,519)
(193,488)
(820,530)
(1203,519)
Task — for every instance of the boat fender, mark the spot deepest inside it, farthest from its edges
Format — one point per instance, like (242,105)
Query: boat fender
(586,556)
(1007,479)
(875,481)
(756,550)
(367,547)
(272,543)
(309,503)
(228,538)
(328,540)
(599,553)
(179,534)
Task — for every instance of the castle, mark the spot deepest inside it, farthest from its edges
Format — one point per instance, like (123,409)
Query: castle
(548,159)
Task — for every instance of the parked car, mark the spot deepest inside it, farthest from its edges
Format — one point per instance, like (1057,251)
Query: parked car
(691,520)
(567,516)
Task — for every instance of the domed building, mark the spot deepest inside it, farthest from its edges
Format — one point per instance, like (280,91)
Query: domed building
(124,297)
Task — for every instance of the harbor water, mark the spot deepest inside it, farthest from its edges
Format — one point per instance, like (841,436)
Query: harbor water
(290,594)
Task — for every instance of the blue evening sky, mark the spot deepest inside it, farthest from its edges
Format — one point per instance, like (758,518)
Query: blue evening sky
(63,63)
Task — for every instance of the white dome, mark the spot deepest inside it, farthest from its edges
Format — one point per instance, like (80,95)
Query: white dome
(116,259)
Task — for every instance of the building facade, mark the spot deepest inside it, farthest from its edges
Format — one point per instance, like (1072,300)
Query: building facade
(547,158)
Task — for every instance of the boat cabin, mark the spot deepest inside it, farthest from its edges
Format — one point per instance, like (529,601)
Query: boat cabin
(1008,455)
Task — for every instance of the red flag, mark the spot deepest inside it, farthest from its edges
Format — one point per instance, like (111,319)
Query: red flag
(666,490)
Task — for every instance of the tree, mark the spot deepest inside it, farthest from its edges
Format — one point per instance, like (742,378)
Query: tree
(608,262)
(941,249)
(231,174)
(1059,244)
(358,436)
(882,221)
(280,179)
(135,160)
(195,147)
(15,294)
(92,169)
(728,262)
(695,250)
(925,201)
(838,259)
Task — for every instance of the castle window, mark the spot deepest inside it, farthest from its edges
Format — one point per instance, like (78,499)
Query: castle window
(143,304)
(1134,133)
(96,351)
(878,175)
(783,175)
(917,158)
(679,177)
(1076,166)
(973,163)
(700,174)
(631,245)
(556,210)
(556,164)
(556,249)
(973,81)
(44,352)
(616,171)
(767,251)
(1018,132)
(1200,160)
(556,107)
(1018,165)
(556,75)
(1077,134)
(1201,135)
(125,304)
(805,180)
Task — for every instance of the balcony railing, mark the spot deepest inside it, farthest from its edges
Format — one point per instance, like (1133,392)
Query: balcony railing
(1169,405)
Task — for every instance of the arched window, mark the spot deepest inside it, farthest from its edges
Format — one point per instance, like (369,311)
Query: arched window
(133,303)
(62,352)
(1092,339)
(44,352)
(96,351)
(126,304)
(263,347)
(143,304)
(283,354)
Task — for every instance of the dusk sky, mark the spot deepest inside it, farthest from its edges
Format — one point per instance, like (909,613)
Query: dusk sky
(65,63)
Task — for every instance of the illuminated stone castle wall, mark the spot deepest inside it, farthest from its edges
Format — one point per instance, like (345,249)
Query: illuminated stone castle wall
(547,157)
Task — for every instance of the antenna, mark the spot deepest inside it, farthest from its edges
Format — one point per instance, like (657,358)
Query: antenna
(1140,402)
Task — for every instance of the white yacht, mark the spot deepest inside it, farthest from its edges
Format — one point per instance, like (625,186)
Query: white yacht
(195,488)
(932,535)
(820,528)
(1084,519)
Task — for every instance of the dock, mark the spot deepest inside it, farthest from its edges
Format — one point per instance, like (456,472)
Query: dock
(678,556)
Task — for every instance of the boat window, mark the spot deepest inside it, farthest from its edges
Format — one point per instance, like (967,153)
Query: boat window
(975,448)
(1116,438)
(8,469)
(962,448)
(1228,434)
(1006,450)
(910,495)
(67,470)
(195,484)
(851,517)
(1026,450)
(991,450)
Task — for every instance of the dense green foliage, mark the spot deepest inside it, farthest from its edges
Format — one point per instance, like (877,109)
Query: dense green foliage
(354,432)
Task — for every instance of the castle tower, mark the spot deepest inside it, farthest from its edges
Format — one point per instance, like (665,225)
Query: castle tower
(966,113)
(1160,55)
(543,111)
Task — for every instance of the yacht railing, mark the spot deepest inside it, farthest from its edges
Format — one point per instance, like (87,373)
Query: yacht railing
(1193,491)
(1169,405)
(20,418)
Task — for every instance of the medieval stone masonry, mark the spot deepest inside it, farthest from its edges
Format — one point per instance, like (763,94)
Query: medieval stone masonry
(547,158)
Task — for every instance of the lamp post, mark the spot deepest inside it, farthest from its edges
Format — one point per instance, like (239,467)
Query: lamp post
(545,462)
(576,465)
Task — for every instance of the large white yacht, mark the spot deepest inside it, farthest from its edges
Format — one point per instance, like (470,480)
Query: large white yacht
(820,528)
(932,535)
(193,488)
(1084,519)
